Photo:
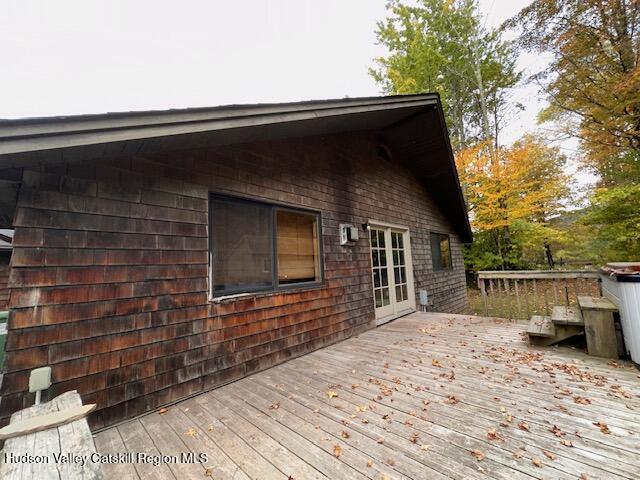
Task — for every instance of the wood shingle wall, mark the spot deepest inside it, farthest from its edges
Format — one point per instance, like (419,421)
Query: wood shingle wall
(109,270)
(4,286)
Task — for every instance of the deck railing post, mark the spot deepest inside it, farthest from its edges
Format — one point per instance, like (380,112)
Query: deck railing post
(483,290)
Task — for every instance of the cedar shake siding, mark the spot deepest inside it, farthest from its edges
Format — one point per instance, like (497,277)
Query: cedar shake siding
(4,287)
(109,278)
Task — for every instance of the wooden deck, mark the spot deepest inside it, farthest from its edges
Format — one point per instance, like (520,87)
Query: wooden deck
(427,396)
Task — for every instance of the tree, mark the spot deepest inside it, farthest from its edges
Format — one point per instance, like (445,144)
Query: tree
(593,88)
(440,45)
(593,80)
(512,200)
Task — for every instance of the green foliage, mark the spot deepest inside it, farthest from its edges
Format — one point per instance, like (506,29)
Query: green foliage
(593,87)
(441,46)
(615,214)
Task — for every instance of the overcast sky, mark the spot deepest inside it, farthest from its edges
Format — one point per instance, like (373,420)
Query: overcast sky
(68,57)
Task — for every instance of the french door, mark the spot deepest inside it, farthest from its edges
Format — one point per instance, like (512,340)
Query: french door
(392,272)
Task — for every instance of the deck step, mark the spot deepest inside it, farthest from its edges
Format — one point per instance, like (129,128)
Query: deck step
(562,315)
(541,326)
(544,332)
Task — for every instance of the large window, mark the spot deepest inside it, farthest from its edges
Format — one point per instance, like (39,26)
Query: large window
(259,247)
(440,251)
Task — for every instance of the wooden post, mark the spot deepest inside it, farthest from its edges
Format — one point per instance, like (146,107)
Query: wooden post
(493,298)
(507,293)
(483,290)
(599,327)
(601,333)
(515,284)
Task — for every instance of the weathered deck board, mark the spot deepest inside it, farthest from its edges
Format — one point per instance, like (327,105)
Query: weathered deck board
(73,438)
(414,398)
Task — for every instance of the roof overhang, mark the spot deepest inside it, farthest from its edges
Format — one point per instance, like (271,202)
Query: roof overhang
(413,127)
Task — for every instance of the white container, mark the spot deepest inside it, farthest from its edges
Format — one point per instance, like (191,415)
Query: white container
(621,285)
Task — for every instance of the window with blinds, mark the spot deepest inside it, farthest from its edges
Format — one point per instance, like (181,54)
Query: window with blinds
(297,241)
(257,246)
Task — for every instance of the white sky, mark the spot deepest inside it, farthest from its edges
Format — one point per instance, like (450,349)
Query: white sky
(82,56)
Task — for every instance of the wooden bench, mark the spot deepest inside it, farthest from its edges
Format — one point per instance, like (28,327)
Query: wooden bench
(599,326)
(70,438)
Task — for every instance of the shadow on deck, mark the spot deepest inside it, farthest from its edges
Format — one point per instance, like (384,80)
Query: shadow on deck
(426,396)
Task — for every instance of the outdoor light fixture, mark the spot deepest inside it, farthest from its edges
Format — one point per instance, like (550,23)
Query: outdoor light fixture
(39,379)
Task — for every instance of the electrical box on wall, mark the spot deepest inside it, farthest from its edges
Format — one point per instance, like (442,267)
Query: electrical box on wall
(348,234)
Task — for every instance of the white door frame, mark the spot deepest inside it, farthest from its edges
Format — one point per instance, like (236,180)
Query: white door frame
(394,309)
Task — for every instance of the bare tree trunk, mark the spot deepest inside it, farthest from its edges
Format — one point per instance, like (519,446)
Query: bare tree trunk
(484,110)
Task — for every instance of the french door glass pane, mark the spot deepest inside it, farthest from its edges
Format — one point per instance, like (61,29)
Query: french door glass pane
(379,268)
(399,267)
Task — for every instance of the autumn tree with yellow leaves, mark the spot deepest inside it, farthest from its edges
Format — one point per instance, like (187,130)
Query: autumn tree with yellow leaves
(511,197)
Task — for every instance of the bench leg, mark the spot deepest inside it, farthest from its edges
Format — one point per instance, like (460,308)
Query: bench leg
(601,333)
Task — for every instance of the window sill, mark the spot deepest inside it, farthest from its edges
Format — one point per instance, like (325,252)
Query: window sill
(233,297)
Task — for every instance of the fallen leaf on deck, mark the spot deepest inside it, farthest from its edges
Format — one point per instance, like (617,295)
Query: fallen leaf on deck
(391,462)
(369,463)
(208,472)
(478,454)
(337,451)
(523,426)
(344,434)
(163,410)
(191,432)
(425,448)
(583,476)
(604,428)
(492,434)
(331,394)
(380,440)
(581,400)
(274,406)
(536,461)
(518,453)
(414,437)
(549,455)
(451,400)
(566,443)
(436,363)
(556,431)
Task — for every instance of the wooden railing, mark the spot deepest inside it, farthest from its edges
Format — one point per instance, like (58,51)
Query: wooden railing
(518,294)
